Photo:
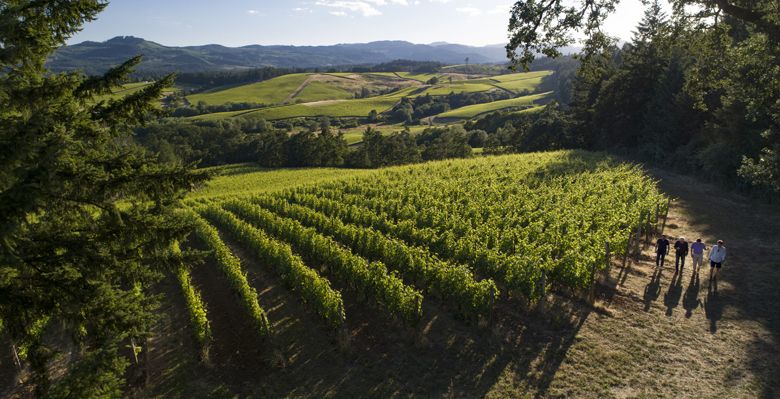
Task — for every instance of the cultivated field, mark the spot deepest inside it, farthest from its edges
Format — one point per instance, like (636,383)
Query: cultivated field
(471,111)
(428,273)
(272,91)
(334,94)
(355,135)
(249,179)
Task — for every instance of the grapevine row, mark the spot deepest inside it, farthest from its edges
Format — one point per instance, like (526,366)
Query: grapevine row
(515,274)
(231,268)
(450,282)
(313,288)
(367,279)
(509,234)
(195,306)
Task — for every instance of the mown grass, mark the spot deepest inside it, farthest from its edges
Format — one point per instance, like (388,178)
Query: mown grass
(336,108)
(319,91)
(528,83)
(420,77)
(478,109)
(272,91)
(245,179)
(458,87)
(511,77)
(355,135)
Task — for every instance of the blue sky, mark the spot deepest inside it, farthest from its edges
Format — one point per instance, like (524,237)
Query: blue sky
(318,22)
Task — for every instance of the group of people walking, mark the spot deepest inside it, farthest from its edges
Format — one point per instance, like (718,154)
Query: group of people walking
(717,254)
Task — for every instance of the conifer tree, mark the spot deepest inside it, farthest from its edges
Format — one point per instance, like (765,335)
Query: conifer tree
(86,216)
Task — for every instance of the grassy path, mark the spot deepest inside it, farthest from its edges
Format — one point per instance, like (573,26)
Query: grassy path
(664,334)
(296,92)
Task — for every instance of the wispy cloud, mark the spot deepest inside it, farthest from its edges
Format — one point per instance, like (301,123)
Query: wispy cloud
(360,7)
(366,8)
(470,11)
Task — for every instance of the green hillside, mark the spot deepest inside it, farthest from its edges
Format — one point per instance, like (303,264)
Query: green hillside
(273,91)
(247,179)
(458,87)
(333,108)
(333,94)
(320,91)
(478,109)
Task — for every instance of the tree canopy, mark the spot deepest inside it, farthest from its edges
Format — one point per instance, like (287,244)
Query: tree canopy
(698,89)
(86,216)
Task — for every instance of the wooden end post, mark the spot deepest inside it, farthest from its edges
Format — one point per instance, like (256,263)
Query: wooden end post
(628,247)
(15,353)
(666,215)
(543,288)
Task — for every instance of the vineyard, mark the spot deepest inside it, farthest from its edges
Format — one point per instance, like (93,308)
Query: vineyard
(465,235)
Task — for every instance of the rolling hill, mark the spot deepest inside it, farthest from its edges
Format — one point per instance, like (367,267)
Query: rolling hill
(96,57)
(334,95)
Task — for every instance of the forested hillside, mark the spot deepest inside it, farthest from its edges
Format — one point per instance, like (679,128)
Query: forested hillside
(96,58)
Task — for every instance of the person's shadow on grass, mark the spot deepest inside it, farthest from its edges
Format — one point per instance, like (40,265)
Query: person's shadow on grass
(713,308)
(653,289)
(672,296)
(691,298)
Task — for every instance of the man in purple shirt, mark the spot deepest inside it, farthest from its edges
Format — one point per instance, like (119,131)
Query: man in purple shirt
(697,253)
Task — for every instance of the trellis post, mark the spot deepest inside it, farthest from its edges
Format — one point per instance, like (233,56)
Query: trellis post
(666,215)
(543,288)
(15,353)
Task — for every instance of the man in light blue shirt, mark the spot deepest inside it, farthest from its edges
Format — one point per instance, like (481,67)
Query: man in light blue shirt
(717,257)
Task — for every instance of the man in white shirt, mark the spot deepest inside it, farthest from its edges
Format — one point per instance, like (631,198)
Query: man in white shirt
(717,257)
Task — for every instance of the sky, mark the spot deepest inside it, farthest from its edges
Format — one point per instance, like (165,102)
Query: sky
(318,22)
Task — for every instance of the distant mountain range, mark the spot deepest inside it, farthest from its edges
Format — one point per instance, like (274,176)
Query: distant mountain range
(97,57)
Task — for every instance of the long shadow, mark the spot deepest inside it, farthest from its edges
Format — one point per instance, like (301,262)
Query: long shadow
(713,308)
(653,289)
(749,277)
(442,357)
(691,300)
(673,293)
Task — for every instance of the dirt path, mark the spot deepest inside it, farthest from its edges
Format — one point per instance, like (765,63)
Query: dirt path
(670,334)
(298,91)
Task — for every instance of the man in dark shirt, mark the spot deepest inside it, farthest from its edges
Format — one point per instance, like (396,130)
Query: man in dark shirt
(681,251)
(661,248)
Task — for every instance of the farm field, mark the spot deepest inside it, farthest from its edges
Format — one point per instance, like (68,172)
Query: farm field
(333,108)
(355,135)
(386,260)
(458,87)
(471,111)
(248,179)
(320,91)
(336,233)
(524,83)
(333,94)
(272,91)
